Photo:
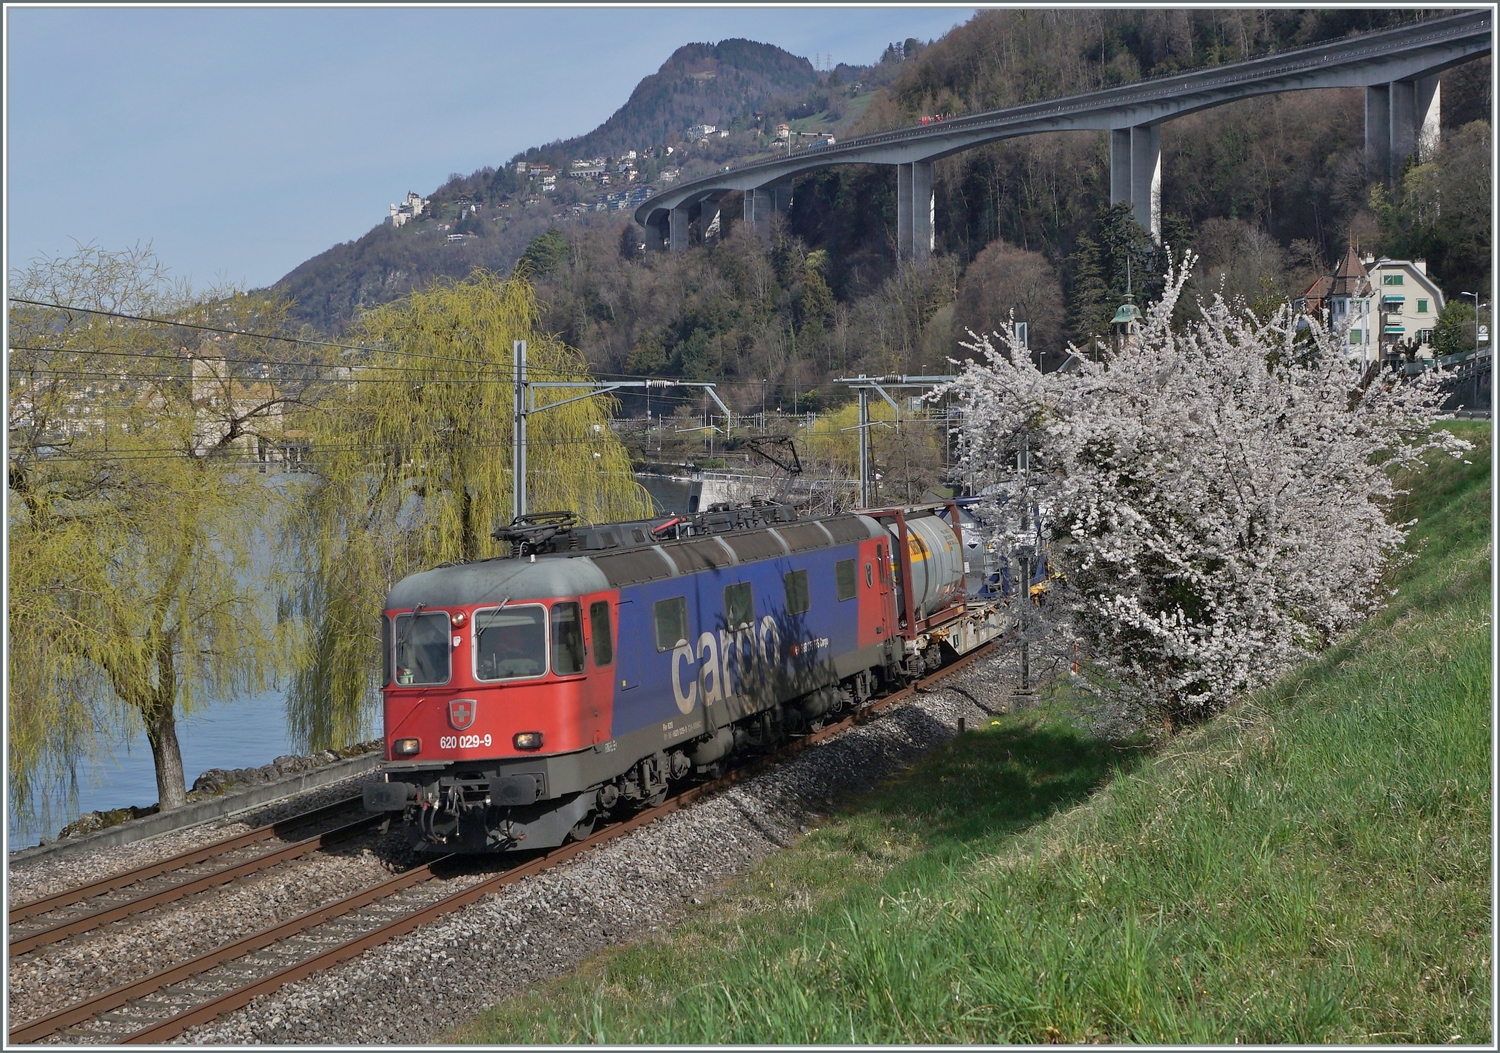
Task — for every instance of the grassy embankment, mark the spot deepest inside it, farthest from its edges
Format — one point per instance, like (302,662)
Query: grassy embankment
(1313,866)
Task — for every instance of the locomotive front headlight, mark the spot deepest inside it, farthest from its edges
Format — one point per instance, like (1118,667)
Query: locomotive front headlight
(406,747)
(528,740)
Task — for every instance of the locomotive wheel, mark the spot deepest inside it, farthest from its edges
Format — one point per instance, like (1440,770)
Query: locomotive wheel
(584,827)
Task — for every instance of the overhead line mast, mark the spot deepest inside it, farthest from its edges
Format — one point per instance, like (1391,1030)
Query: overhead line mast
(525,405)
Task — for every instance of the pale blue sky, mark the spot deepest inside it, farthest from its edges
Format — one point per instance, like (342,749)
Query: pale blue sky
(242,141)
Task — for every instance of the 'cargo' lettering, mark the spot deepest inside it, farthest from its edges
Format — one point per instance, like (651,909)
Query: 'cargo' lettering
(686,700)
(713,676)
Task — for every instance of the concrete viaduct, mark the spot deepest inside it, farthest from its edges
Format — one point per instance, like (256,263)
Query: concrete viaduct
(1398,68)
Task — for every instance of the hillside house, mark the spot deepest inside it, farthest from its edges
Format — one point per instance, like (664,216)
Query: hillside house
(412,207)
(1407,303)
(1388,308)
(1343,299)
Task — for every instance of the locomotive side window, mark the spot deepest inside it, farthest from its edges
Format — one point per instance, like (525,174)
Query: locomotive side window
(880,561)
(422,650)
(604,644)
(843,571)
(797,598)
(567,639)
(510,643)
(739,610)
(671,622)
(385,649)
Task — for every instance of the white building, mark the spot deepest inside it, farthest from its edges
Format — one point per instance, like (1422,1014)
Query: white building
(1406,303)
(410,208)
(1388,307)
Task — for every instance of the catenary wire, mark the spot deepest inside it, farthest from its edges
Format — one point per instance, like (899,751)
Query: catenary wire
(273,336)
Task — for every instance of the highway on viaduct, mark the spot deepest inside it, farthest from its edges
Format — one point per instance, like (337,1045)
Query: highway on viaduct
(1398,68)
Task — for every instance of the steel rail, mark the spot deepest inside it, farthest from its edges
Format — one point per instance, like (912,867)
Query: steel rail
(191,857)
(123,995)
(243,995)
(96,919)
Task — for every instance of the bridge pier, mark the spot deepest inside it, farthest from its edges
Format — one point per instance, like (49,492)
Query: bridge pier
(1135,174)
(761,202)
(758,210)
(680,218)
(710,225)
(656,232)
(916,211)
(1402,119)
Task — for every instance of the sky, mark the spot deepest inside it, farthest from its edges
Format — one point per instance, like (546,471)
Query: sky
(239,142)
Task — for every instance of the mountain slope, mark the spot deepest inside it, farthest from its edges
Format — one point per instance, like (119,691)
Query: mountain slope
(498,212)
(716,84)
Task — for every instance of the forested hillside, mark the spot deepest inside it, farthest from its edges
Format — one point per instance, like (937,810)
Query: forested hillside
(1269,191)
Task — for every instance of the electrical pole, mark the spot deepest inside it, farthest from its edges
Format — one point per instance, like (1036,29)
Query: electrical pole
(1025,553)
(864,448)
(1475,297)
(525,405)
(518,440)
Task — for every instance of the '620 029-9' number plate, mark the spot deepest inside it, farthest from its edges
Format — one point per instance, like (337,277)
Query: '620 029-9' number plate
(462,742)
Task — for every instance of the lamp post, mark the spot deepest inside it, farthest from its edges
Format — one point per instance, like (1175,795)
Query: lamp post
(1475,297)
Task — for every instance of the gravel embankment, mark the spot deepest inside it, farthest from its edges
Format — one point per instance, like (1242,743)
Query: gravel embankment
(418,986)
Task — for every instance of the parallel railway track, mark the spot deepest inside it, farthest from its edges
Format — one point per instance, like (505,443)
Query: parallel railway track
(168,1002)
(87,907)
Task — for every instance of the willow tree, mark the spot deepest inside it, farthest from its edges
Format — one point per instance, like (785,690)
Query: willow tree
(411,458)
(131,519)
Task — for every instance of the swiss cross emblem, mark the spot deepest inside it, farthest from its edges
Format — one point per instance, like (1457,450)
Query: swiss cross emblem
(461,713)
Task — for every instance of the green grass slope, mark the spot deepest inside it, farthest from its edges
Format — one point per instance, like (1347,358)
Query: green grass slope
(1314,866)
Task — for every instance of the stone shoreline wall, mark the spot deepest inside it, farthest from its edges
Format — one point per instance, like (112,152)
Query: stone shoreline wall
(215,782)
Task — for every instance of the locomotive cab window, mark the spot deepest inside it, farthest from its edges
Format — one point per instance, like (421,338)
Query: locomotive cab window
(797,598)
(739,610)
(567,639)
(671,622)
(423,654)
(604,643)
(844,572)
(510,643)
(385,649)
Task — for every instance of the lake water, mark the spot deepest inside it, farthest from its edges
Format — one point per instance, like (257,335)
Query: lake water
(670,494)
(242,733)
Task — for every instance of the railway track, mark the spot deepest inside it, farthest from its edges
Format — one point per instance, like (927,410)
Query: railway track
(168,1002)
(78,910)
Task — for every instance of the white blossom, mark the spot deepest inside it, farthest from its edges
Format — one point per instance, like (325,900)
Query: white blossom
(1216,496)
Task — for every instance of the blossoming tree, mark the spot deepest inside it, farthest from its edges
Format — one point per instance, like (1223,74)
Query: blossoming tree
(1214,498)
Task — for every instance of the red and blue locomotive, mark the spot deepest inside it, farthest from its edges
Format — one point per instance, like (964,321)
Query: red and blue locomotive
(526,696)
